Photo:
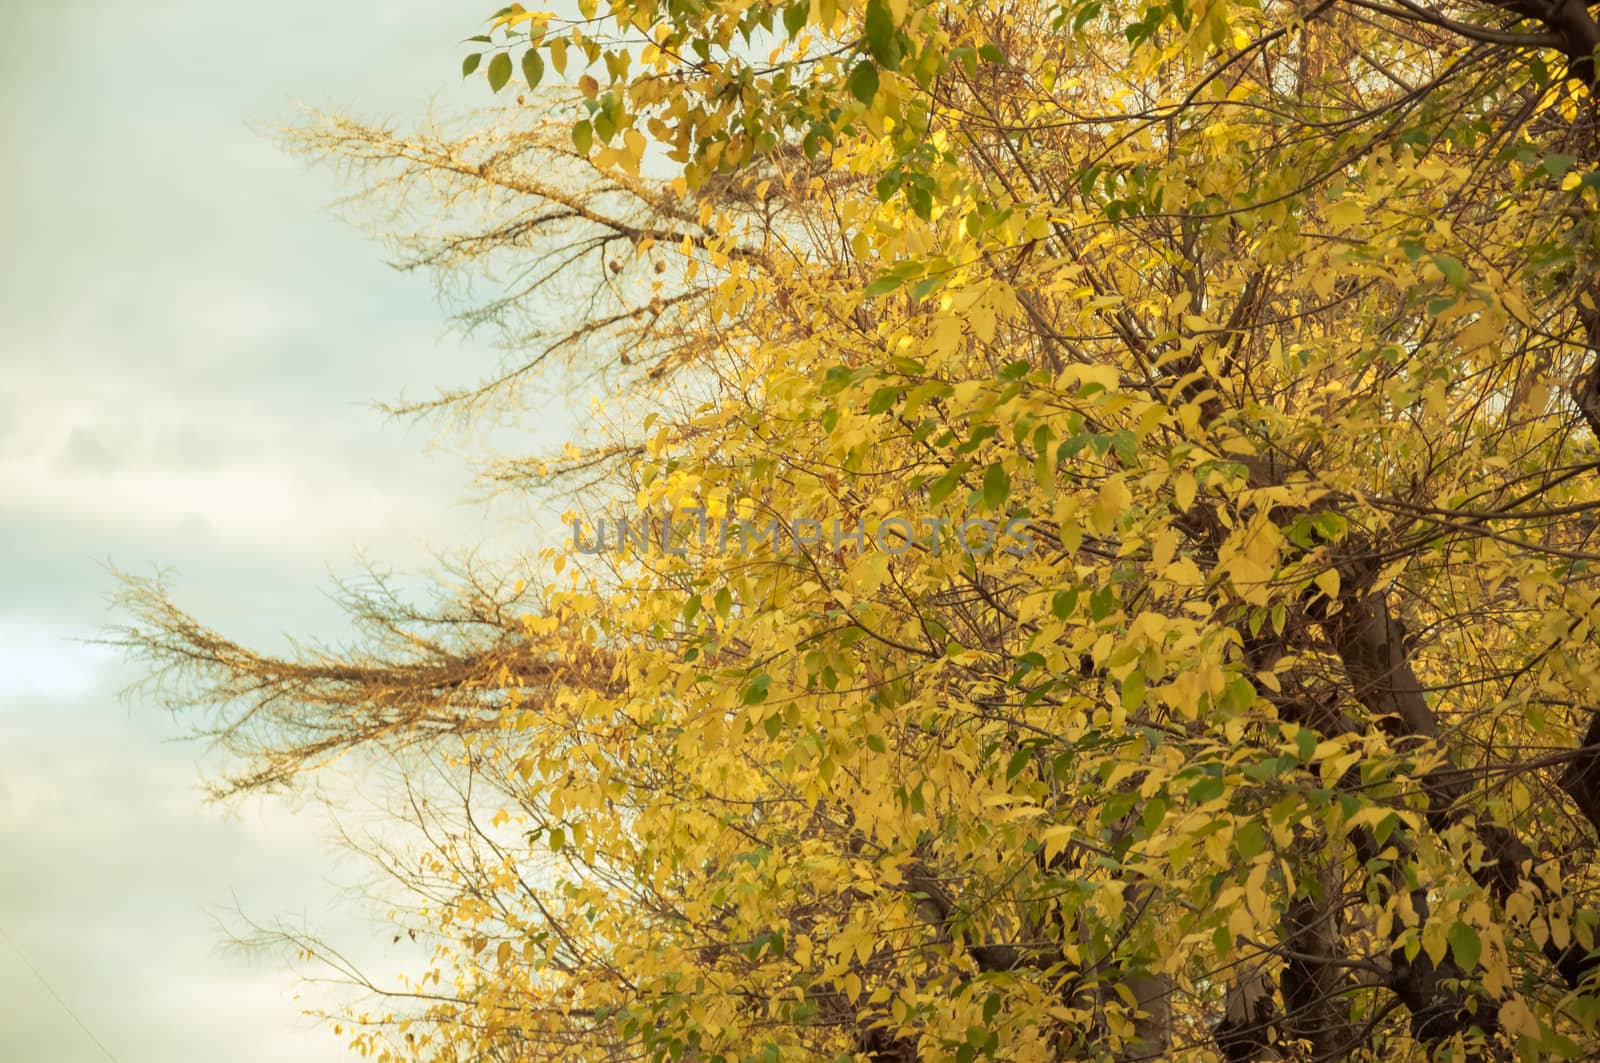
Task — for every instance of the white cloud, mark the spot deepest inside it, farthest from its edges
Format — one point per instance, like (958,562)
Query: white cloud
(47,664)
(251,479)
(279,505)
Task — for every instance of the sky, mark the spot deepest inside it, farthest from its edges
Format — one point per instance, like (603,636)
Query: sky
(190,344)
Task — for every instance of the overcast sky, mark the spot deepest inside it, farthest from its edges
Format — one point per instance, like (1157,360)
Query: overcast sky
(188,346)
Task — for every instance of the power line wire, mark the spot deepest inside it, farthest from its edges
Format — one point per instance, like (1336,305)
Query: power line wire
(58,999)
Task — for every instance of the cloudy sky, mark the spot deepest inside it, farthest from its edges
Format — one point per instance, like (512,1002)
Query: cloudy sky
(189,344)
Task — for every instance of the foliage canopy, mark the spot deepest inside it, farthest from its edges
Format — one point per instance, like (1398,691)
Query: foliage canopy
(1271,329)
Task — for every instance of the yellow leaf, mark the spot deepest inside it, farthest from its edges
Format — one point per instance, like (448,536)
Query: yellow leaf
(1112,502)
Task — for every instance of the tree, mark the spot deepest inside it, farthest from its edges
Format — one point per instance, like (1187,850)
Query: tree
(1117,488)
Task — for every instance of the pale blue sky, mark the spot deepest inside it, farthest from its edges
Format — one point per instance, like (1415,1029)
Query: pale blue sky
(188,342)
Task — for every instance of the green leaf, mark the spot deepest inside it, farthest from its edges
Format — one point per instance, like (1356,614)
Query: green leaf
(863,82)
(795,16)
(1126,444)
(1117,806)
(882,399)
(885,284)
(1465,946)
(880,35)
(945,484)
(533,67)
(767,939)
(837,378)
(756,692)
(1018,761)
(605,124)
(499,71)
(1154,811)
(1262,770)
(1556,165)
(1453,270)
(583,137)
(1133,690)
(470,63)
(1250,840)
(996,486)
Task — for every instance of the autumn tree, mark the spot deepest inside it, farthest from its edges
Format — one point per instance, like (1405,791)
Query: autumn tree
(1118,485)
